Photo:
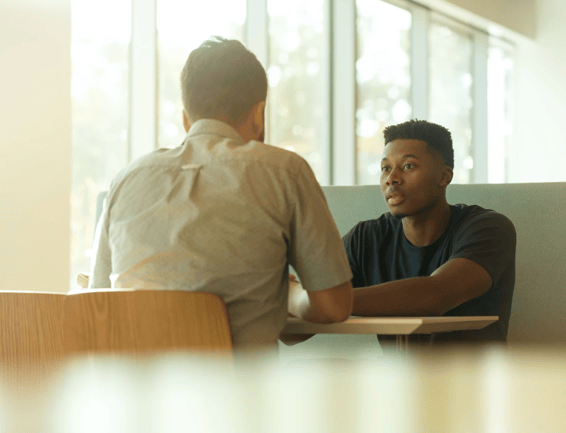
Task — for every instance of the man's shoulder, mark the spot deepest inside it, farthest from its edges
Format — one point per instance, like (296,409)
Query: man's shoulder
(157,158)
(474,211)
(273,156)
(476,216)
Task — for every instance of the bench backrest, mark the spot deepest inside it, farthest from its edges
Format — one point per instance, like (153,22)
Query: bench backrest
(538,312)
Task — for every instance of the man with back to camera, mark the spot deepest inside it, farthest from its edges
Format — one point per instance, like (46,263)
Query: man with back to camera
(225,213)
(426,257)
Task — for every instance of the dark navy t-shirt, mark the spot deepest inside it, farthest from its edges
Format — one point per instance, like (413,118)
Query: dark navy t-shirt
(379,252)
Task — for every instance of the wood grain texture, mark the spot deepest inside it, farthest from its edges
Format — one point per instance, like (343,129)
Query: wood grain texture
(145,322)
(31,331)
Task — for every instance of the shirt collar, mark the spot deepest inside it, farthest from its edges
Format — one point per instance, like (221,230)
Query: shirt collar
(214,127)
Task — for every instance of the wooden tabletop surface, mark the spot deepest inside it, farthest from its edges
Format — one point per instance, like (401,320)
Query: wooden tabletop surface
(391,325)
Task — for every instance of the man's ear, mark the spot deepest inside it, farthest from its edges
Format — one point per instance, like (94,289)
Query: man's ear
(259,118)
(446,176)
(186,122)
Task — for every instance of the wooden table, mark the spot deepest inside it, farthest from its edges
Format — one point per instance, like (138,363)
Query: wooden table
(402,327)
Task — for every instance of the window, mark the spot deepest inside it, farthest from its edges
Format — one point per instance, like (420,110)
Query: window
(297,64)
(499,84)
(450,102)
(100,112)
(180,29)
(383,79)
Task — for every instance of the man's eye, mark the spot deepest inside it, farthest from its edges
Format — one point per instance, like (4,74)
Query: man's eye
(383,169)
(409,166)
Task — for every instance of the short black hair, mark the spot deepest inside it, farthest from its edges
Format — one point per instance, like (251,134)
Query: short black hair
(436,136)
(222,80)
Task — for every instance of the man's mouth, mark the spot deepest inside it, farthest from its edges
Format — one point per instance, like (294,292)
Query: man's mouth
(395,199)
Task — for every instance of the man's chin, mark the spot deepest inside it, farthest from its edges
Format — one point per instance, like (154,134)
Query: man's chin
(398,214)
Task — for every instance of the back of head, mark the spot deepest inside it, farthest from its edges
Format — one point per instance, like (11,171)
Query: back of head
(222,80)
(437,137)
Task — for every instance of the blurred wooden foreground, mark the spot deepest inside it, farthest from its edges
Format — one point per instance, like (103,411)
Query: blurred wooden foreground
(445,391)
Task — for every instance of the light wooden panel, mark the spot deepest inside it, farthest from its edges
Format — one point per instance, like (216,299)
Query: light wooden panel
(145,321)
(31,330)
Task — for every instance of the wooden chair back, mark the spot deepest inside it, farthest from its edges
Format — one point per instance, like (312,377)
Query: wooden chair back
(31,331)
(146,322)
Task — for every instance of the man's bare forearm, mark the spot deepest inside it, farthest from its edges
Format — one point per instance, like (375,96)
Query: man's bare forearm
(329,306)
(300,306)
(417,296)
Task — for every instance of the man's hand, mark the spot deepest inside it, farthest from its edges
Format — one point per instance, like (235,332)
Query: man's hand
(292,339)
(323,306)
(295,289)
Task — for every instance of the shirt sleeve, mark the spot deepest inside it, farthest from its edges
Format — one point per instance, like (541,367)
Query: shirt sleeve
(315,251)
(489,240)
(102,254)
(354,251)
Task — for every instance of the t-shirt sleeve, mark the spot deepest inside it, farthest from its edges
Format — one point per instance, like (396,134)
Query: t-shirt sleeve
(315,251)
(353,244)
(489,240)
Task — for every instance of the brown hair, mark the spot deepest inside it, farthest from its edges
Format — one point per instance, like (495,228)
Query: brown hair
(222,80)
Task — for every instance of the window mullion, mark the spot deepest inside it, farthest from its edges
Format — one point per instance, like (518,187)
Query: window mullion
(143,79)
(257,37)
(344,92)
(480,113)
(419,61)
(327,144)
(257,40)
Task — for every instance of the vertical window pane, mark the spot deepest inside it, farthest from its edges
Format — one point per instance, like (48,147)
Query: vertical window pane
(383,80)
(450,66)
(296,66)
(182,27)
(100,112)
(500,73)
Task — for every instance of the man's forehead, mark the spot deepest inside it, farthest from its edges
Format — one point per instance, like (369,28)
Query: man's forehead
(404,147)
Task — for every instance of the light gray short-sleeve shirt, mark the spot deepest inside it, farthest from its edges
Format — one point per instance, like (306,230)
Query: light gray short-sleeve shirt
(223,216)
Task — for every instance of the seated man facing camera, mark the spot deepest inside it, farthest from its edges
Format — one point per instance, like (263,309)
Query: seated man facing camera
(225,213)
(426,257)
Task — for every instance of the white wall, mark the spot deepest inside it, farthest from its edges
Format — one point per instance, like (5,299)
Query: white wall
(35,144)
(518,16)
(539,153)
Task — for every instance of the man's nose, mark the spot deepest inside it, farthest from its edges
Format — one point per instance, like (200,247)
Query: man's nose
(393,178)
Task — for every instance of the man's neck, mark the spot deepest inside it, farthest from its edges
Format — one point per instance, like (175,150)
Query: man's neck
(424,229)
